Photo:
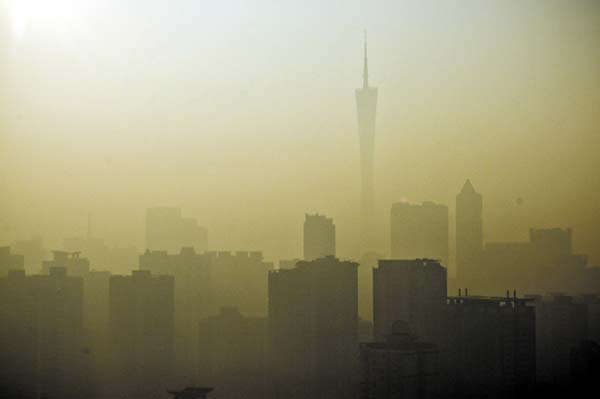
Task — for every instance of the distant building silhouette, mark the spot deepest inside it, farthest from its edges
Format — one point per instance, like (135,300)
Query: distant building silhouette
(33,251)
(319,237)
(490,346)
(419,231)
(142,333)
(413,291)
(72,262)
(313,329)
(543,264)
(469,234)
(41,336)
(205,282)
(10,261)
(232,354)
(167,230)
(366,107)
(288,263)
(400,367)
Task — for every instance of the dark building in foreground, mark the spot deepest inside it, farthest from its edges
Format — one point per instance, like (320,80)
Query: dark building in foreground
(490,347)
(232,354)
(401,367)
(319,237)
(313,317)
(419,231)
(42,353)
(561,325)
(413,291)
(141,333)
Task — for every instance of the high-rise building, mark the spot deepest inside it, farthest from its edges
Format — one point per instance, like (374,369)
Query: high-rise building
(490,346)
(313,316)
(366,107)
(469,233)
(42,348)
(319,237)
(413,291)
(142,333)
(10,261)
(232,354)
(400,367)
(561,325)
(167,230)
(419,231)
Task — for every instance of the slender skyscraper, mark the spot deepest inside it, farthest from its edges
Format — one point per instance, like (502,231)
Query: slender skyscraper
(366,106)
(469,233)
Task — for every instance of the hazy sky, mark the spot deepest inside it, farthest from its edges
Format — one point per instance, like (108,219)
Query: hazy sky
(243,114)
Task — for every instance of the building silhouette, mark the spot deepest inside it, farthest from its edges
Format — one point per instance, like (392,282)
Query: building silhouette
(204,283)
(167,230)
(366,107)
(41,339)
(33,251)
(72,262)
(9,261)
(413,291)
(419,231)
(232,354)
(543,264)
(561,325)
(319,236)
(313,329)
(490,346)
(142,333)
(400,367)
(469,234)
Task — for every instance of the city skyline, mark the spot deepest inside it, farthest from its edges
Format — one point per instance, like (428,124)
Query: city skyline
(446,98)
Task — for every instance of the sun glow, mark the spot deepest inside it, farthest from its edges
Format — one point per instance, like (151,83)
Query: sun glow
(43,16)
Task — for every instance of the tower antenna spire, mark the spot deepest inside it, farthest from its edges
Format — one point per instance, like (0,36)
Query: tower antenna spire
(366,64)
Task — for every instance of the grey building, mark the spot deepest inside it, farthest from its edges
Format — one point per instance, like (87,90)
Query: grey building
(419,231)
(319,237)
(313,323)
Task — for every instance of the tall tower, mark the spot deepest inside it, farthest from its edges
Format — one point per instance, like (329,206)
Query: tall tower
(469,232)
(366,106)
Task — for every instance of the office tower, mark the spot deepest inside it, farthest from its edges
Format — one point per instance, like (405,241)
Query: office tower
(72,262)
(413,291)
(400,367)
(469,233)
(313,329)
(419,231)
(33,251)
(232,354)
(142,333)
(490,346)
(42,350)
(10,261)
(167,230)
(319,237)
(366,107)
(561,325)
